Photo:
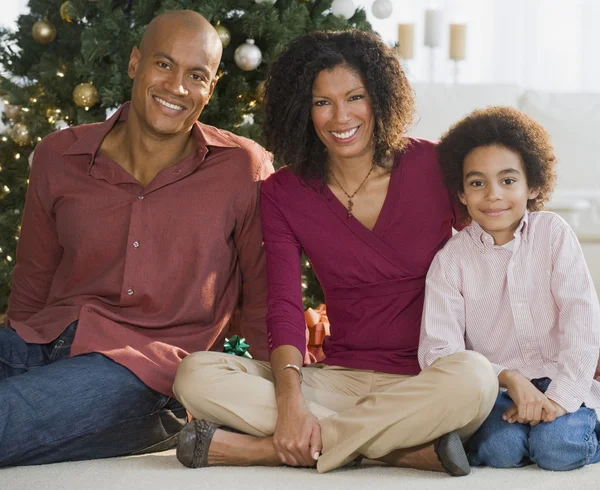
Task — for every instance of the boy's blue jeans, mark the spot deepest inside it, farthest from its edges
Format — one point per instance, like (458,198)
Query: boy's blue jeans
(55,408)
(571,441)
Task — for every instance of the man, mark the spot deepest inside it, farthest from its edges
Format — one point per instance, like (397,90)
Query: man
(138,236)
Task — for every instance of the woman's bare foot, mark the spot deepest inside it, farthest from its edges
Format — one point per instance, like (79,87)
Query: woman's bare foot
(234,449)
(420,458)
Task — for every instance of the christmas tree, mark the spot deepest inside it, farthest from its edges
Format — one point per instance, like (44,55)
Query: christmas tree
(66,64)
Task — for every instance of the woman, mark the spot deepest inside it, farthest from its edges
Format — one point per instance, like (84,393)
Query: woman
(368,207)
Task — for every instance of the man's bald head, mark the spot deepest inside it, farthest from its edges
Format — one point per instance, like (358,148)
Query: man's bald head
(171,22)
(174,72)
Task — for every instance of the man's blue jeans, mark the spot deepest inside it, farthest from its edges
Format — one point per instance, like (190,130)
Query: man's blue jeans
(571,441)
(55,408)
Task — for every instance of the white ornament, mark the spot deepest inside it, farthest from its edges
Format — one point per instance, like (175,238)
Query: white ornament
(61,124)
(247,120)
(382,9)
(266,1)
(247,56)
(343,8)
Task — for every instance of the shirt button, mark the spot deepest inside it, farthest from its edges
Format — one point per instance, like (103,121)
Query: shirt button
(130,291)
(141,198)
(136,244)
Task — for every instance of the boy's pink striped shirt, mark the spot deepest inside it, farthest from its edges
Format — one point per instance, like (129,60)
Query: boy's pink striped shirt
(534,309)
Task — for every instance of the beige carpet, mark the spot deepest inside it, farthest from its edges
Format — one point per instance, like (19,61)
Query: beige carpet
(163,472)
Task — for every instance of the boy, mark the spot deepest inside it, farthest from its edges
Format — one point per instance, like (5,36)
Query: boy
(514,286)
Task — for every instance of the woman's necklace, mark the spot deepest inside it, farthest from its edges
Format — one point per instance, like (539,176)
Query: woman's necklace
(350,197)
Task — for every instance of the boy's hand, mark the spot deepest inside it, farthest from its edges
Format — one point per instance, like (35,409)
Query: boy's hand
(597,373)
(512,412)
(560,411)
(530,403)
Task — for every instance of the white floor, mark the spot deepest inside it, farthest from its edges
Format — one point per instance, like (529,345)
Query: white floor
(162,471)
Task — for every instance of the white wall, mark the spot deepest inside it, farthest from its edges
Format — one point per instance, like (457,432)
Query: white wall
(547,45)
(11,9)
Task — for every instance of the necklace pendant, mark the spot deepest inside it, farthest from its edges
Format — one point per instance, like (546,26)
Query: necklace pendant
(350,205)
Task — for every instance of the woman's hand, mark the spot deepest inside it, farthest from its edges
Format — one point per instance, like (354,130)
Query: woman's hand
(297,437)
(531,405)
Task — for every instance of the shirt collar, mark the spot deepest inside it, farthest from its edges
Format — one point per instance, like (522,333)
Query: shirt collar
(484,239)
(90,141)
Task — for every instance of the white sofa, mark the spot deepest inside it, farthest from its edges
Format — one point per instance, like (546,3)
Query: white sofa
(573,121)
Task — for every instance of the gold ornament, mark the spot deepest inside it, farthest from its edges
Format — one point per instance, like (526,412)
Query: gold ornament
(68,12)
(43,31)
(52,111)
(224,35)
(85,95)
(260,90)
(12,111)
(20,134)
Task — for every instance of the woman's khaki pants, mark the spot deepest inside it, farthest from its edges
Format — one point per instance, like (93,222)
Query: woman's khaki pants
(360,412)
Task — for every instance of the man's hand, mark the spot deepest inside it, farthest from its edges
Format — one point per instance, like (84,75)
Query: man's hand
(597,373)
(297,437)
(531,405)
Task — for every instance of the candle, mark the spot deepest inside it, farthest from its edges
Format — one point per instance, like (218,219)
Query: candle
(406,36)
(433,27)
(458,38)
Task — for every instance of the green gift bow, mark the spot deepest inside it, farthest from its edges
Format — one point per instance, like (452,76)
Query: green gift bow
(237,346)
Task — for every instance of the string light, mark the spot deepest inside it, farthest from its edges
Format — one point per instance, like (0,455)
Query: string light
(60,74)
(4,138)
(6,189)
(304,285)
(17,156)
(9,258)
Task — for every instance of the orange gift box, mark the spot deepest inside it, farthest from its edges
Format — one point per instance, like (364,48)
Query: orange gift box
(317,328)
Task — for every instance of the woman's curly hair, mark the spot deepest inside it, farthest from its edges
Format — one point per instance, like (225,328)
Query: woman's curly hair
(288,129)
(506,127)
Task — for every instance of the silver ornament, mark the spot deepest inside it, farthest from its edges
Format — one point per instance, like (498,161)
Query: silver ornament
(382,9)
(247,56)
(343,8)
